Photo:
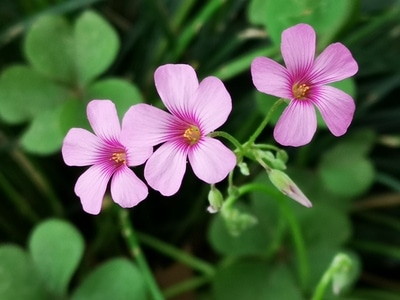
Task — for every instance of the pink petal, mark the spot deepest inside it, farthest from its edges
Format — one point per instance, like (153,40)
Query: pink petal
(335,63)
(165,168)
(138,155)
(91,186)
(336,107)
(211,104)
(298,49)
(176,84)
(80,147)
(103,118)
(297,125)
(146,125)
(211,160)
(271,78)
(126,188)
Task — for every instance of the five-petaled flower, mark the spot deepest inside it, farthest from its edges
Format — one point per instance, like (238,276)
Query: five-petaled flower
(195,111)
(110,156)
(303,82)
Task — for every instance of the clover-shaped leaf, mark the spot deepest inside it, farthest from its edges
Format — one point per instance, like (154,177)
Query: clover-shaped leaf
(96,46)
(327,17)
(18,277)
(24,93)
(56,248)
(49,47)
(115,279)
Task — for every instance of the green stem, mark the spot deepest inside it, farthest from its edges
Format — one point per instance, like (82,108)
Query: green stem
(193,28)
(130,238)
(323,284)
(178,255)
(230,138)
(340,263)
(17,200)
(241,64)
(267,146)
(264,123)
(303,269)
(38,179)
(303,266)
(185,286)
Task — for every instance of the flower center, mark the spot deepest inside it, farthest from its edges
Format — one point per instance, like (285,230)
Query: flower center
(192,134)
(119,157)
(300,91)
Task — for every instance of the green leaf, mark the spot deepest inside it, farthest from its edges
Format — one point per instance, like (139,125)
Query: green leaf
(116,279)
(345,171)
(49,47)
(56,248)
(252,241)
(73,114)
(254,280)
(261,238)
(121,92)
(256,11)
(24,93)
(335,232)
(18,277)
(96,46)
(326,16)
(348,176)
(44,135)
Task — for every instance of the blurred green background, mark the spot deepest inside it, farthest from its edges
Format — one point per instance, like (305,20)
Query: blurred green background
(56,55)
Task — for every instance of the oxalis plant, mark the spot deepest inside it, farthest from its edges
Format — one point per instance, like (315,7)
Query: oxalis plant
(129,148)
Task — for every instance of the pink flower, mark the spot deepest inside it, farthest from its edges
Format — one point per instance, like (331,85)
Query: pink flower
(196,110)
(303,82)
(109,155)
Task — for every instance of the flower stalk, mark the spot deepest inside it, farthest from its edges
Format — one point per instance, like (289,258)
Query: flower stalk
(134,248)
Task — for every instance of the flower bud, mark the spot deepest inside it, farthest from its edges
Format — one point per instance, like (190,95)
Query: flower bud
(282,155)
(215,199)
(237,221)
(286,185)
(244,169)
(345,272)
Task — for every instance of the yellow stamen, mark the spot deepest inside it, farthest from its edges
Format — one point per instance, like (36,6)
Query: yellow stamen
(119,157)
(300,91)
(192,134)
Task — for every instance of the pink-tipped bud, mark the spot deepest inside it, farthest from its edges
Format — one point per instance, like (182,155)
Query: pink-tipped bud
(286,185)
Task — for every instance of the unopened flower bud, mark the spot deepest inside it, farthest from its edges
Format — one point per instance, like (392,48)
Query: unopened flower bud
(282,155)
(244,169)
(345,272)
(286,185)
(269,158)
(237,221)
(215,199)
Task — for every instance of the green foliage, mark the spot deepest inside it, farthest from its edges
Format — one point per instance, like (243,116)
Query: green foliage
(255,280)
(50,241)
(57,55)
(18,277)
(49,48)
(24,94)
(96,46)
(54,252)
(345,170)
(115,279)
(327,17)
(52,91)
